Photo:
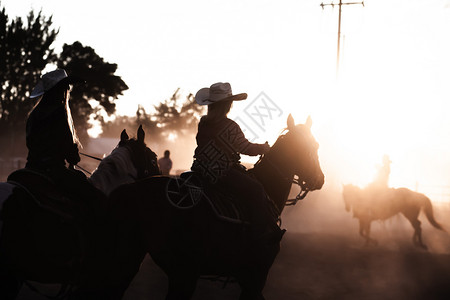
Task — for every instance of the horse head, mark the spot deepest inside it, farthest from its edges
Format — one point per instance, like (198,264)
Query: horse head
(130,161)
(144,159)
(295,152)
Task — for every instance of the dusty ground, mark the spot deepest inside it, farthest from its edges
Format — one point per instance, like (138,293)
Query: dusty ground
(322,257)
(319,266)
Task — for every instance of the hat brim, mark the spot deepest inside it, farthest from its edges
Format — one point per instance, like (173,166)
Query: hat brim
(39,88)
(202,97)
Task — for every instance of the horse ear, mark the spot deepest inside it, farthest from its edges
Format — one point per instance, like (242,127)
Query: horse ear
(124,136)
(140,134)
(308,122)
(290,122)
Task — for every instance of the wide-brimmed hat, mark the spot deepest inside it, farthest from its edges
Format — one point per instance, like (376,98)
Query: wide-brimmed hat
(51,79)
(219,91)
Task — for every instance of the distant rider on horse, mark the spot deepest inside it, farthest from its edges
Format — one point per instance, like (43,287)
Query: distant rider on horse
(380,184)
(51,138)
(220,141)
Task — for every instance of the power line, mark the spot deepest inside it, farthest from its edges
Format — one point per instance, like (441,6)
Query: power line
(332,4)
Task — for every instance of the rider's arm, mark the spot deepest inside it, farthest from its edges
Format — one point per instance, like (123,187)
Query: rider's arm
(242,145)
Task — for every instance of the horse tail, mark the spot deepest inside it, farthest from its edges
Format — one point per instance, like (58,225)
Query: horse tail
(428,209)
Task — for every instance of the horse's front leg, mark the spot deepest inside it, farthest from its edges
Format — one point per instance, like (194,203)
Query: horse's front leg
(181,285)
(9,285)
(364,231)
(252,283)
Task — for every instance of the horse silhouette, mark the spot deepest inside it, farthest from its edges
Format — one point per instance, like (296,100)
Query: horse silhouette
(188,234)
(380,204)
(47,238)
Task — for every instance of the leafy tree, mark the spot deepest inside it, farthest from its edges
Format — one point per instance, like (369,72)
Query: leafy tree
(25,49)
(101,84)
(177,115)
(113,128)
(171,125)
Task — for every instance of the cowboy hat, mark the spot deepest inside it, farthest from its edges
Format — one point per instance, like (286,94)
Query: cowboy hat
(219,91)
(51,79)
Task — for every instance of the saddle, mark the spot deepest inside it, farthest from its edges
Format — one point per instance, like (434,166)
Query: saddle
(53,224)
(193,189)
(46,194)
(38,184)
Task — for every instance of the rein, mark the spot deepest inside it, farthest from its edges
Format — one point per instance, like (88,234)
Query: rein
(303,189)
(90,156)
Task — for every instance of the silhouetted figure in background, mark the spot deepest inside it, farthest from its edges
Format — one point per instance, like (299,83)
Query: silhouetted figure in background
(165,163)
(381,180)
(220,141)
(51,138)
(378,189)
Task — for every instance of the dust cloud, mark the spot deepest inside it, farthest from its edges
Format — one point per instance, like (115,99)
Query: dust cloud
(181,152)
(322,255)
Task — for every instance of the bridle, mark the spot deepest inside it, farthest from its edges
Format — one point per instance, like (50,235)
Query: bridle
(303,188)
(141,172)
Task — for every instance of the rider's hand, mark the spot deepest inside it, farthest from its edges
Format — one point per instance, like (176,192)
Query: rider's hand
(266,148)
(74,156)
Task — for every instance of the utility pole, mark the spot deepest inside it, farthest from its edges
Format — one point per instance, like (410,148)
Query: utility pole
(339,26)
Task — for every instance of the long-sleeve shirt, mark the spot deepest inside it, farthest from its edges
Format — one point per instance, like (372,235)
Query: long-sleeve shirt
(219,145)
(49,138)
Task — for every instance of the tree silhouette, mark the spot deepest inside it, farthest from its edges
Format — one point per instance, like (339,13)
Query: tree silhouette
(177,115)
(25,49)
(101,84)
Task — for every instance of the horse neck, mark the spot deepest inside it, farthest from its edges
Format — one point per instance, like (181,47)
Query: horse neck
(114,170)
(276,180)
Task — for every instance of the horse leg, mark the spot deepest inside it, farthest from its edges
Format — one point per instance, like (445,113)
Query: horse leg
(417,236)
(251,289)
(9,285)
(364,231)
(252,276)
(181,286)
(412,217)
(252,281)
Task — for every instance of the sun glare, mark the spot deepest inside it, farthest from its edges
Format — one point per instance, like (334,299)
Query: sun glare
(172,137)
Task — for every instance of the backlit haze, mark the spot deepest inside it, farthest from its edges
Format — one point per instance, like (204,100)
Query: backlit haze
(392,95)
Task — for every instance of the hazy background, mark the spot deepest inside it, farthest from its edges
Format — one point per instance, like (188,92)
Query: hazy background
(391,97)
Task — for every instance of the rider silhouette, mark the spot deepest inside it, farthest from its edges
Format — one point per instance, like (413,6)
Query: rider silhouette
(165,163)
(381,180)
(51,138)
(220,141)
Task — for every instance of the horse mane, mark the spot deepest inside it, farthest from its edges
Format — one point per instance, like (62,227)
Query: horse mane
(114,170)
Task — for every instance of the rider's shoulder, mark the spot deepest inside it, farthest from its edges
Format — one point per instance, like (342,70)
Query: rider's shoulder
(231,122)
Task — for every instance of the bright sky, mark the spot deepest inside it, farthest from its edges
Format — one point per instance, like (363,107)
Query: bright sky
(392,96)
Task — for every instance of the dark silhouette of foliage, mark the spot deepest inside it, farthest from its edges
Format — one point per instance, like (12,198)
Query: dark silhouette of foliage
(113,128)
(101,84)
(174,115)
(25,50)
